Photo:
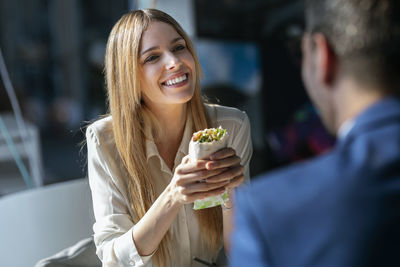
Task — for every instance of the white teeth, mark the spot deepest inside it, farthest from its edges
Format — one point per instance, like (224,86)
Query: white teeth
(176,80)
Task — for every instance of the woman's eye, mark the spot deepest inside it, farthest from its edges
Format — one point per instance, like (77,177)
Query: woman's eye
(179,48)
(151,58)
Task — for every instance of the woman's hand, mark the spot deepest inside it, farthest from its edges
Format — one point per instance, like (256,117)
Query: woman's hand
(227,160)
(189,181)
(228,163)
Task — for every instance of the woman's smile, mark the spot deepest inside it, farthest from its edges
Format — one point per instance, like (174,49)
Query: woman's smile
(176,80)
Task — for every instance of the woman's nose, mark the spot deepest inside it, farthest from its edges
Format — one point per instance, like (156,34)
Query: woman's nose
(173,61)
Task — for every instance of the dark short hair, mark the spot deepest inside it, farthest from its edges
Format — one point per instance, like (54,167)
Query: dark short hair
(364,34)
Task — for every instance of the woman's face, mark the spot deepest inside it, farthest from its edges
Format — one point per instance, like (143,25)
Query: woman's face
(167,67)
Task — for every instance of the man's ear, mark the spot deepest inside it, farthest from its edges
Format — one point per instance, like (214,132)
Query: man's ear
(326,59)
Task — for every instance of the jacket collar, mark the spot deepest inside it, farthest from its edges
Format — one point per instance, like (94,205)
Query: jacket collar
(387,109)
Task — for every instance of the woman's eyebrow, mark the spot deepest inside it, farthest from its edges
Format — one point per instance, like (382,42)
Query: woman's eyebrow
(149,49)
(176,39)
(156,47)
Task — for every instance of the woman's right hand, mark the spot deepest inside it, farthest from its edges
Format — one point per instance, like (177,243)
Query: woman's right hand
(187,184)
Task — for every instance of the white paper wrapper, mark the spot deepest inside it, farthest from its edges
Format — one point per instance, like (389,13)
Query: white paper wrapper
(199,150)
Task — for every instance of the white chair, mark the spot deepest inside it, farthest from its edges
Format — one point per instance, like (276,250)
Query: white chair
(38,223)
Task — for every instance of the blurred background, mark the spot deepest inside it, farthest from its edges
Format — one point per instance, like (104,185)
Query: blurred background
(52,86)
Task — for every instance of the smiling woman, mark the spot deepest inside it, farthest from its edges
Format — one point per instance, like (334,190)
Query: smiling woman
(143,183)
(168,68)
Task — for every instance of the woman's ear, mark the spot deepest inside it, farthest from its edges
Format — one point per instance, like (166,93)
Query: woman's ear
(326,59)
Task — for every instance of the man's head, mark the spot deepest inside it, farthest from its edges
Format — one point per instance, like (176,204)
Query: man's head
(352,39)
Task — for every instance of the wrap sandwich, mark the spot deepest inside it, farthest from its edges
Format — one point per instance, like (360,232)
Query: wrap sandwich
(201,146)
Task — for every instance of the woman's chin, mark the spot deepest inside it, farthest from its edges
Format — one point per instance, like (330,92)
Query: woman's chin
(180,97)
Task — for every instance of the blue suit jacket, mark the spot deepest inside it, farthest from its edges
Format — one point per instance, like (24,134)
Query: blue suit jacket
(341,209)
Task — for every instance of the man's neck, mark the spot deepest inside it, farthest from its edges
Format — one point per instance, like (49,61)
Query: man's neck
(351,99)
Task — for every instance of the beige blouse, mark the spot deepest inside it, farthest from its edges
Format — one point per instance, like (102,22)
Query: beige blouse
(114,224)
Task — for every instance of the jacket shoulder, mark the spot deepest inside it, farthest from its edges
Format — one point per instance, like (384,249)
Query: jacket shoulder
(295,186)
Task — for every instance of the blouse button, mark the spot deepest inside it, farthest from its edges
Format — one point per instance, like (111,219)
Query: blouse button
(132,263)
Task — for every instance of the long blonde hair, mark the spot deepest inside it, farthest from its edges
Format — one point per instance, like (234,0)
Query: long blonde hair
(129,117)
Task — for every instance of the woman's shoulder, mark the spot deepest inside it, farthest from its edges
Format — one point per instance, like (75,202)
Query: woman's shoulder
(100,129)
(234,121)
(101,124)
(218,113)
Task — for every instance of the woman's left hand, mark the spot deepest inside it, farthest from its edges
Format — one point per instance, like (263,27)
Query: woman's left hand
(226,158)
